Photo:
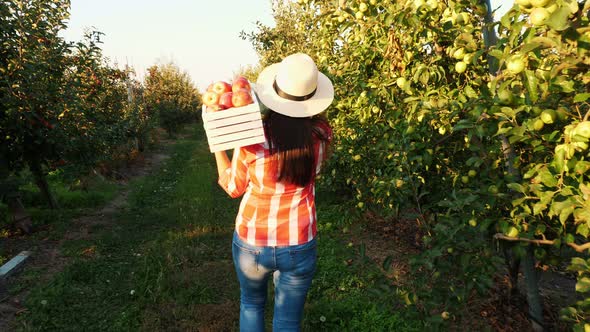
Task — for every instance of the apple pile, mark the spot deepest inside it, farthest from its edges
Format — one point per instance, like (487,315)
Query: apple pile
(222,95)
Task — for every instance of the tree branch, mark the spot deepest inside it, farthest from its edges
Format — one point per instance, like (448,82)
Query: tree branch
(576,247)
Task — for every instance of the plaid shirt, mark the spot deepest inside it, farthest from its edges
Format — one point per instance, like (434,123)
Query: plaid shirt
(271,213)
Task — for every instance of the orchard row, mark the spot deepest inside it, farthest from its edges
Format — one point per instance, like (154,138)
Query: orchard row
(66,109)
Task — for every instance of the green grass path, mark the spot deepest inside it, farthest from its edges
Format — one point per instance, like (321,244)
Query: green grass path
(164,264)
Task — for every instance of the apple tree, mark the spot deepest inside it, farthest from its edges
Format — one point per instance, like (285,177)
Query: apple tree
(63,106)
(31,88)
(170,95)
(542,112)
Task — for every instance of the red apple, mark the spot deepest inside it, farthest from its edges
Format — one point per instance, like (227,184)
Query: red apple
(210,87)
(225,100)
(214,108)
(210,98)
(220,87)
(240,83)
(242,97)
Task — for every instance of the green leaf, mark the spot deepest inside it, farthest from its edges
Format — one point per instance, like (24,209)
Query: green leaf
(503,130)
(581,97)
(470,92)
(387,263)
(565,213)
(583,285)
(518,201)
(565,85)
(531,83)
(583,230)
(558,20)
(529,174)
(557,207)
(463,124)
(538,208)
(571,311)
(578,264)
(546,197)
(505,21)
(582,214)
(509,112)
(582,167)
(497,54)
(516,187)
(538,42)
(547,178)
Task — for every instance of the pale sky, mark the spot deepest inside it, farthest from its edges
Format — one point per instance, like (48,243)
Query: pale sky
(200,36)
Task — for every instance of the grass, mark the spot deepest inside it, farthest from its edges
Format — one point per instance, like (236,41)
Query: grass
(164,263)
(53,223)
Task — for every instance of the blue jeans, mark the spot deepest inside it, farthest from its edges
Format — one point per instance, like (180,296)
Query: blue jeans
(292,268)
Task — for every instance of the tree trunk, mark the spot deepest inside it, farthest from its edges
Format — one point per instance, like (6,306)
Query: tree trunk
(531,277)
(41,182)
(532,290)
(513,264)
(19,217)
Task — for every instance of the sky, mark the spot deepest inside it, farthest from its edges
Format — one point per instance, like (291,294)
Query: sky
(202,37)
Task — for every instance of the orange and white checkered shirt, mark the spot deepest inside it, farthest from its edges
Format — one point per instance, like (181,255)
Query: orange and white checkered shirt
(271,213)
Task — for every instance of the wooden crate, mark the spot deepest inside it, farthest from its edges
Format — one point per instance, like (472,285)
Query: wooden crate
(234,127)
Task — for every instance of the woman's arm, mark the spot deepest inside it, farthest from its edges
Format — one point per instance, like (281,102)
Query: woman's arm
(233,176)
(222,161)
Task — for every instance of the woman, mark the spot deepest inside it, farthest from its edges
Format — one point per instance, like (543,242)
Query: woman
(275,231)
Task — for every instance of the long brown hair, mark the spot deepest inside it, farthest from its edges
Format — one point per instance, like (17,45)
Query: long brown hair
(291,142)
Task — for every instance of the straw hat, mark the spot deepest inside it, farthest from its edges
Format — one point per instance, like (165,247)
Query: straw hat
(294,87)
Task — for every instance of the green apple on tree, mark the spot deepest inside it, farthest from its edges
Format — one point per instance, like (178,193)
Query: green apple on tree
(538,124)
(460,67)
(515,64)
(512,231)
(548,116)
(538,16)
(401,82)
(459,53)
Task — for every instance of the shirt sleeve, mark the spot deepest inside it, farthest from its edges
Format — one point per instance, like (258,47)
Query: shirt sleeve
(235,179)
(320,156)
(322,146)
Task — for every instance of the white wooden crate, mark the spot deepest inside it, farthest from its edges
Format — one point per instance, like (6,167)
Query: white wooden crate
(234,127)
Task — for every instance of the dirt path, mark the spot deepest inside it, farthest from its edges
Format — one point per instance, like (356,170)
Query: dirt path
(46,253)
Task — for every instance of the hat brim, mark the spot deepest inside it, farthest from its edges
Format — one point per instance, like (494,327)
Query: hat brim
(267,95)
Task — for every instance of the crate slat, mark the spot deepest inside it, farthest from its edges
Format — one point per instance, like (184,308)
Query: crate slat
(237,119)
(235,136)
(233,145)
(231,129)
(211,116)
